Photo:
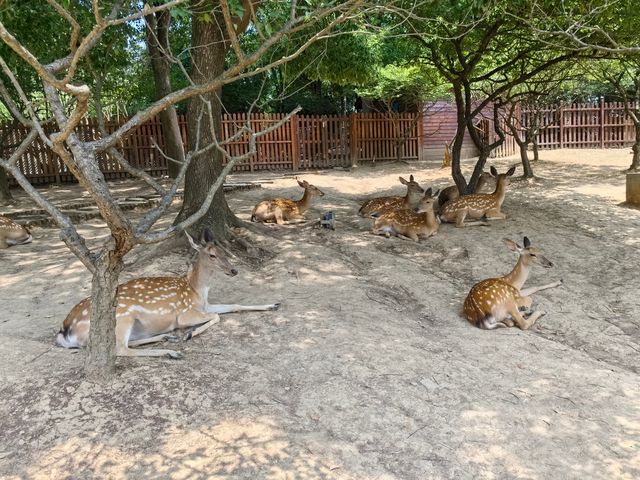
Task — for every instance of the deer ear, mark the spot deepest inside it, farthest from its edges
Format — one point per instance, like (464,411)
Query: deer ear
(436,193)
(300,183)
(411,178)
(511,171)
(513,246)
(403,181)
(493,171)
(207,236)
(194,244)
(428,192)
(527,242)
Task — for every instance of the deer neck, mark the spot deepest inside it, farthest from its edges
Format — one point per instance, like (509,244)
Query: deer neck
(304,202)
(518,275)
(411,199)
(430,218)
(199,279)
(499,192)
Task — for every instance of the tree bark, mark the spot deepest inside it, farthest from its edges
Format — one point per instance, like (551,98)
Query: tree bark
(207,55)
(101,358)
(158,46)
(524,157)
(635,162)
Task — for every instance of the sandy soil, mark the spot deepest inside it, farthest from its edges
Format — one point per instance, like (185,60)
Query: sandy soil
(368,371)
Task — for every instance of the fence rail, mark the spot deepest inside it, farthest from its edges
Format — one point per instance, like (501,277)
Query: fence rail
(582,125)
(304,142)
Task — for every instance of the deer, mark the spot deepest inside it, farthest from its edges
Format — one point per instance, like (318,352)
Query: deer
(281,210)
(497,302)
(375,207)
(451,192)
(12,233)
(149,308)
(421,222)
(478,205)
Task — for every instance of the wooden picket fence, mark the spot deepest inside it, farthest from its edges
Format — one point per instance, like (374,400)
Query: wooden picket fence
(304,142)
(582,125)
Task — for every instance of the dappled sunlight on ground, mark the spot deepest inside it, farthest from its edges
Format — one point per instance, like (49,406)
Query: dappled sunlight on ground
(367,370)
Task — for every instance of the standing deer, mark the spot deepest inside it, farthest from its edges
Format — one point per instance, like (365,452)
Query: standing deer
(377,206)
(478,205)
(281,210)
(451,192)
(149,308)
(496,302)
(414,224)
(12,233)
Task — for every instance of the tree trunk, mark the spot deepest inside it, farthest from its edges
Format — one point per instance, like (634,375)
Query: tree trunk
(456,148)
(207,56)
(635,162)
(524,157)
(158,45)
(5,193)
(101,358)
(536,154)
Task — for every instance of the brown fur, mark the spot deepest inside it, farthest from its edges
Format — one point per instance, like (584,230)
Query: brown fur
(378,206)
(418,223)
(496,302)
(12,233)
(281,210)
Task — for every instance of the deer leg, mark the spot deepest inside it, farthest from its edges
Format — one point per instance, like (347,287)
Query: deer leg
(279,216)
(460,223)
(147,352)
(532,290)
(524,324)
(158,338)
(230,308)
(198,330)
(495,214)
(124,326)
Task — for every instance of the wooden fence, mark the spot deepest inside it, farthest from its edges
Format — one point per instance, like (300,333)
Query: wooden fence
(582,125)
(304,142)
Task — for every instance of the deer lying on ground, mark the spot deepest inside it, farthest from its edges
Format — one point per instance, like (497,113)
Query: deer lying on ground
(281,210)
(149,308)
(478,205)
(12,233)
(414,224)
(377,206)
(451,192)
(496,302)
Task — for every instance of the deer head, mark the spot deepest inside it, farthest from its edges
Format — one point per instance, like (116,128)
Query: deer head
(211,255)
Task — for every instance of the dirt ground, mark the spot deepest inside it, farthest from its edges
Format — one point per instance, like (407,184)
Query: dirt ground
(368,370)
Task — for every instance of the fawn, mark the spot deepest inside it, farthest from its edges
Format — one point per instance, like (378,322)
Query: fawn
(478,205)
(377,206)
(414,224)
(281,210)
(451,192)
(496,302)
(149,308)
(12,233)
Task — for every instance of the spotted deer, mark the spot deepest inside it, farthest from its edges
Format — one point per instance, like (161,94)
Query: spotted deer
(148,308)
(451,192)
(414,224)
(496,302)
(377,206)
(281,210)
(478,205)
(12,233)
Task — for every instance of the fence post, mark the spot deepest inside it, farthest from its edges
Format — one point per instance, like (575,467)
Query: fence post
(295,143)
(353,138)
(601,122)
(561,122)
(420,133)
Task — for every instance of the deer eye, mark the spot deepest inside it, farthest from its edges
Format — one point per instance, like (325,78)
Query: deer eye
(212,255)
(532,254)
